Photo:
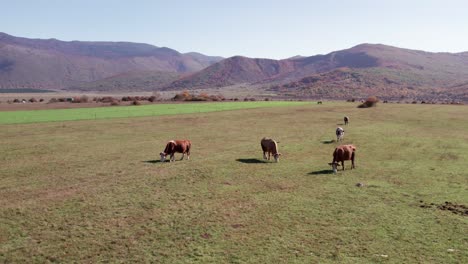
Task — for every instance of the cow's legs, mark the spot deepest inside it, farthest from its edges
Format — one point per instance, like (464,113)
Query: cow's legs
(264,155)
(352,161)
(172,158)
(269,155)
(342,164)
(188,155)
(183,155)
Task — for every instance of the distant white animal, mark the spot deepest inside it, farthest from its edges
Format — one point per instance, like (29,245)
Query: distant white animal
(339,134)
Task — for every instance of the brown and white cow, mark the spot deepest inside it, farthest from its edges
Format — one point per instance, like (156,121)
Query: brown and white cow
(179,146)
(346,120)
(271,147)
(342,153)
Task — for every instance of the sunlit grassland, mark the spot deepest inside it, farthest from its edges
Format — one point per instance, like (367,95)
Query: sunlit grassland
(93,190)
(53,115)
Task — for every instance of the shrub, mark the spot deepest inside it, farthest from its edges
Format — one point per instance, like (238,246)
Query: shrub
(107,99)
(136,102)
(33,100)
(41,100)
(267,99)
(53,100)
(185,96)
(16,100)
(113,103)
(370,102)
(157,96)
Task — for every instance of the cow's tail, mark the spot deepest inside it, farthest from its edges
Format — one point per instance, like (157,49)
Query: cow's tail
(189,146)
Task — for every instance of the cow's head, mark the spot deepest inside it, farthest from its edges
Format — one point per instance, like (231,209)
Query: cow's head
(163,156)
(334,166)
(276,156)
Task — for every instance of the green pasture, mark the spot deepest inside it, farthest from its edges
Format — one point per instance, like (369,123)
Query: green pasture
(94,191)
(53,115)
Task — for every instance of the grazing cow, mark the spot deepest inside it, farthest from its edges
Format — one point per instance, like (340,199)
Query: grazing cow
(179,146)
(271,147)
(346,120)
(339,134)
(342,153)
(319,102)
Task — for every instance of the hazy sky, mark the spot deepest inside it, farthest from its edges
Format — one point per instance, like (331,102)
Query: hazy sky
(267,29)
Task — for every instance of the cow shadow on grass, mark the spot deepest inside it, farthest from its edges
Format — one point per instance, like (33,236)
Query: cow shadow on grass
(328,141)
(152,161)
(251,161)
(321,172)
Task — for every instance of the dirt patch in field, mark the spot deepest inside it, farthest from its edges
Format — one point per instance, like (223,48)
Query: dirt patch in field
(458,209)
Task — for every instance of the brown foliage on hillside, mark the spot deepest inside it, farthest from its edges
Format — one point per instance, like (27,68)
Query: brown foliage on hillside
(186,96)
(370,102)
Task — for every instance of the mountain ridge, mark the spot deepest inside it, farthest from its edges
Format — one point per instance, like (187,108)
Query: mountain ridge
(355,72)
(118,66)
(51,63)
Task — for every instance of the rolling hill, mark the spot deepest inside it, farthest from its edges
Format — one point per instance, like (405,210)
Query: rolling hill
(356,72)
(51,63)
(385,71)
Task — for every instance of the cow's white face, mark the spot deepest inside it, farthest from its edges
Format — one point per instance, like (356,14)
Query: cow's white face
(277,157)
(163,156)
(334,166)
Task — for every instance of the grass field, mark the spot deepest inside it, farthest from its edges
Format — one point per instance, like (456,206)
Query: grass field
(53,115)
(94,190)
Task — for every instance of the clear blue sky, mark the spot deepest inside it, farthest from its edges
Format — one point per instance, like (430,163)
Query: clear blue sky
(267,29)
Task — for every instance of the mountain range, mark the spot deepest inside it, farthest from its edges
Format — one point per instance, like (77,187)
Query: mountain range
(55,64)
(357,72)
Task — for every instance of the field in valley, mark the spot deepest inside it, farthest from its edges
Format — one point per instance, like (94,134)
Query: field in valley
(90,113)
(94,190)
